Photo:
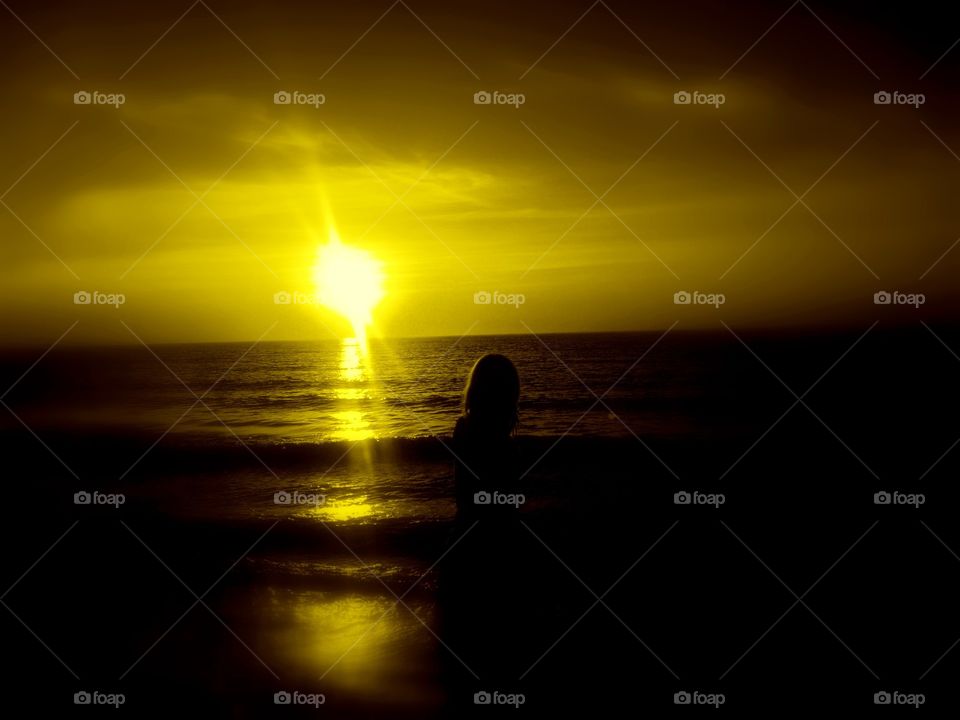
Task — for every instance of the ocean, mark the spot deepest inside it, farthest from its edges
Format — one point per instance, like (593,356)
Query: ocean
(327,391)
(312,486)
(309,411)
(327,417)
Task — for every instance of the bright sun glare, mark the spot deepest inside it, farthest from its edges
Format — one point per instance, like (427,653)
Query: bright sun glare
(349,281)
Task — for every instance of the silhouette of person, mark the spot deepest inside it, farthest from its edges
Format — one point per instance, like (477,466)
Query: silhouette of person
(482,577)
(483,440)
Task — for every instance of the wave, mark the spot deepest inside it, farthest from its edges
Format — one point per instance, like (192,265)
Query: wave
(205,453)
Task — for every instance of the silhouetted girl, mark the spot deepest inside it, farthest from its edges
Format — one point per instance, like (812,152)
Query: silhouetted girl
(483,613)
(486,466)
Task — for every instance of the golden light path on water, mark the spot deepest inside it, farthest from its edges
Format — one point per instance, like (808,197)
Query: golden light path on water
(352,425)
(358,643)
(353,509)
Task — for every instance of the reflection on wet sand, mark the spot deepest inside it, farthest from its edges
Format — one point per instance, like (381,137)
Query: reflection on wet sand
(351,647)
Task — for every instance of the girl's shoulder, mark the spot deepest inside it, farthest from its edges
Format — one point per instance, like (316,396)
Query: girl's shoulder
(461,426)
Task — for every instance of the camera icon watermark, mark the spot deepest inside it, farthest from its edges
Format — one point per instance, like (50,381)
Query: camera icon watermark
(895,297)
(98,498)
(915,500)
(498,498)
(295,497)
(715,500)
(85,697)
(285,697)
(695,97)
(286,297)
(684,297)
(897,697)
(483,97)
(895,97)
(85,97)
(495,697)
(295,97)
(484,297)
(696,697)
(95,297)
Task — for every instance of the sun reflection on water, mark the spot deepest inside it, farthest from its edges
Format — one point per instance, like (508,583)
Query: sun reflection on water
(342,509)
(352,425)
(351,360)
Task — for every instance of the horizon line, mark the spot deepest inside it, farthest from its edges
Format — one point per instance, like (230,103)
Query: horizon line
(799,328)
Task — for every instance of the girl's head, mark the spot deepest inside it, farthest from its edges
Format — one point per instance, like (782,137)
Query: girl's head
(492,393)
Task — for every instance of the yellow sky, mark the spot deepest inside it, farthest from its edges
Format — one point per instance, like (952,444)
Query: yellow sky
(456,198)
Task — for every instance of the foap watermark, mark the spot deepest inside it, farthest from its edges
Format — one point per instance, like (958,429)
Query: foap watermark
(483,97)
(295,97)
(95,697)
(284,697)
(896,697)
(285,297)
(895,97)
(295,497)
(914,500)
(683,297)
(695,97)
(85,297)
(484,297)
(696,497)
(495,697)
(696,697)
(98,498)
(84,97)
(498,498)
(895,297)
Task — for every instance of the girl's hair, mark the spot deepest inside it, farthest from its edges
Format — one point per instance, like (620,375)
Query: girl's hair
(492,394)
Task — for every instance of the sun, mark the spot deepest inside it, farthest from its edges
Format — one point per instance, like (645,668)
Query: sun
(349,281)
